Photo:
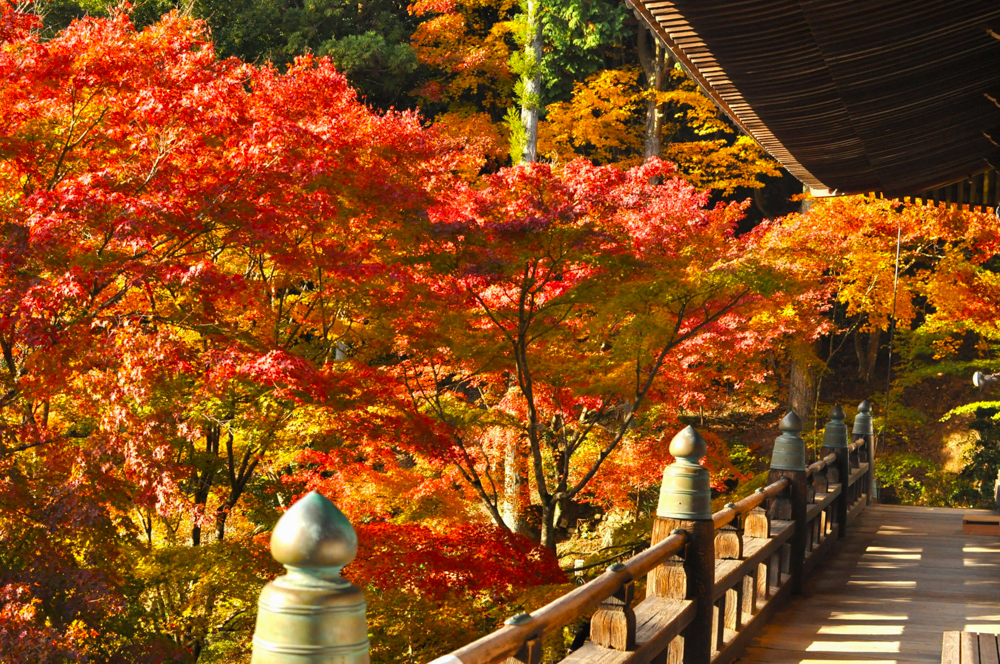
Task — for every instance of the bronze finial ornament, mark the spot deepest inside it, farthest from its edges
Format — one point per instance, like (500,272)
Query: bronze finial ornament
(686,492)
(789,448)
(863,420)
(835,431)
(311,615)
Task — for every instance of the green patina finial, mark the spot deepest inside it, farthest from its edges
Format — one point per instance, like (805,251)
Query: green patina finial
(518,619)
(686,492)
(835,432)
(314,538)
(863,420)
(311,615)
(789,448)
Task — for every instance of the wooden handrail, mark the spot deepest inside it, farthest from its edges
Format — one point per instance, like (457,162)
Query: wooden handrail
(511,638)
(726,515)
(819,466)
(519,638)
(857,474)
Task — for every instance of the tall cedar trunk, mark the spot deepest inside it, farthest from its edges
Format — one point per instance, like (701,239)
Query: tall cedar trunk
(513,486)
(867,356)
(532,84)
(655,61)
(801,389)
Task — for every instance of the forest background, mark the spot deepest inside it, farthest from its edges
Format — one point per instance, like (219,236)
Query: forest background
(256,248)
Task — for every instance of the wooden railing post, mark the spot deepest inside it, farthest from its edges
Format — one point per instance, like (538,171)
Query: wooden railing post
(311,614)
(789,460)
(757,524)
(835,440)
(729,546)
(613,624)
(864,428)
(686,504)
(531,651)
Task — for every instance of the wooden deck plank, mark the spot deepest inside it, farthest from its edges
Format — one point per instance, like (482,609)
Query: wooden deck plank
(988,653)
(951,648)
(886,594)
(970,647)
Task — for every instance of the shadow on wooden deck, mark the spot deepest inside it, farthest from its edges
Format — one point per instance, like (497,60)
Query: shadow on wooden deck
(902,577)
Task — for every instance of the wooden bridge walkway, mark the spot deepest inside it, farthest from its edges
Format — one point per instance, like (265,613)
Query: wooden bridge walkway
(902,577)
(803,570)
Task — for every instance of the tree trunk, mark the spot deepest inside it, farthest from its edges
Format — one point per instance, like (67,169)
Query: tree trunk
(801,389)
(203,480)
(802,396)
(531,99)
(656,63)
(548,535)
(867,356)
(239,476)
(513,487)
(220,524)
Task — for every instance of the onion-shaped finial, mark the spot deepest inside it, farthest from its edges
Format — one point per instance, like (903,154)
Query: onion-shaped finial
(790,423)
(863,425)
(314,537)
(686,492)
(789,448)
(688,445)
(311,614)
(835,431)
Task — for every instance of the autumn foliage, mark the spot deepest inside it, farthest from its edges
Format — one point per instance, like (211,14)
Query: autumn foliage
(174,280)
(944,284)
(224,284)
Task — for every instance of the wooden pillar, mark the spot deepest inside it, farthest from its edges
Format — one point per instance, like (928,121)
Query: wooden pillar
(835,439)
(864,428)
(729,546)
(789,460)
(757,524)
(530,652)
(686,504)
(844,502)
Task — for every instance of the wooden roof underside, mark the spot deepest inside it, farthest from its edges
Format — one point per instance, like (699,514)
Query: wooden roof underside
(851,96)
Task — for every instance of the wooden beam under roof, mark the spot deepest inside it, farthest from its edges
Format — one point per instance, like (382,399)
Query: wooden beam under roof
(852,96)
(980,192)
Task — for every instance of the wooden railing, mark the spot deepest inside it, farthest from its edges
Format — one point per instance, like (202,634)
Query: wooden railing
(712,581)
